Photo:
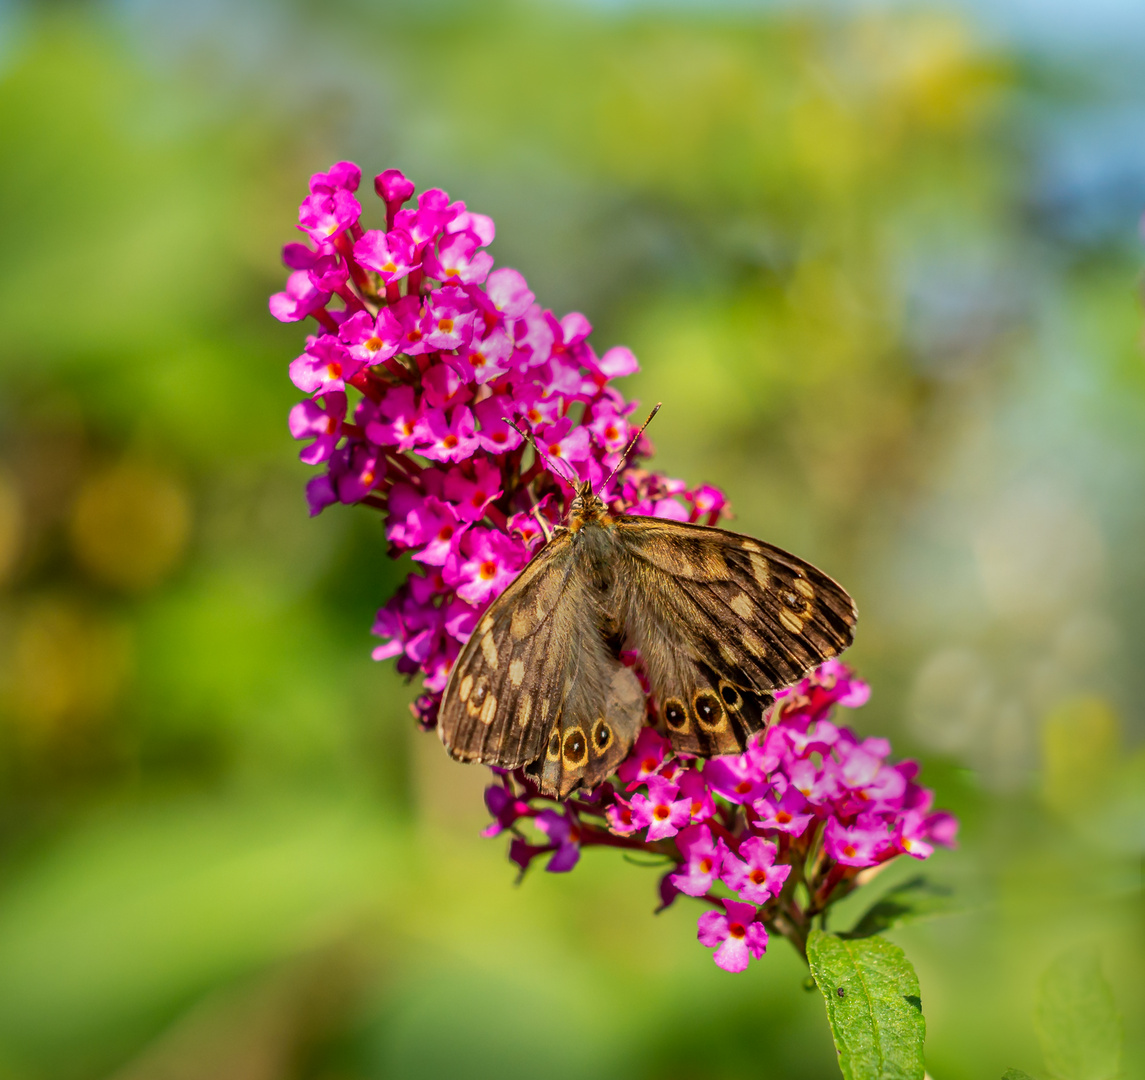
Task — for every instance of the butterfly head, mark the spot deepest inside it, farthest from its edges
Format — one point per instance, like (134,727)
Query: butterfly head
(586,507)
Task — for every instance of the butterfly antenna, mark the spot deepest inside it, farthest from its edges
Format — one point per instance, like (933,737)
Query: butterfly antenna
(528,437)
(628,448)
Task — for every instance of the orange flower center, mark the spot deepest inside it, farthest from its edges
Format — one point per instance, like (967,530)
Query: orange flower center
(662,813)
(488,570)
(449,442)
(737,930)
(373,344)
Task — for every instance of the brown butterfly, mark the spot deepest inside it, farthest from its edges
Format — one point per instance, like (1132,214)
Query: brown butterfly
(719,621)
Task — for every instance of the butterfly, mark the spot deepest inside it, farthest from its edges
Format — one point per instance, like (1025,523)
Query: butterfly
(718,620)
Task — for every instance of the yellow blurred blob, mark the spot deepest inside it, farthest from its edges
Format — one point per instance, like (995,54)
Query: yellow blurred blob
(65,671)
(11,526)
(1081,749)
(129,526)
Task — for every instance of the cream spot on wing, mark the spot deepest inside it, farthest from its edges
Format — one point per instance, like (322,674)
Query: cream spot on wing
(568,685)
(487,624)
(489,709)
(729,656)
(760,570)
(521,625)
(715,565)
(544,715)
(741,604)
(803,586)
(523,709)
(790,621)
(750,545)
(465,687)
(517,672)
(489,650)
(753,644)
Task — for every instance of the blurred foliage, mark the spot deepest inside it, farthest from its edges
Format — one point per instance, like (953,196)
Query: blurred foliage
(881,275)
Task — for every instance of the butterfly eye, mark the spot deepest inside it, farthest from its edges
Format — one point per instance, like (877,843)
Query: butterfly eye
(675,715)
(602,735)
(576,750)
(730,695)
(709,711)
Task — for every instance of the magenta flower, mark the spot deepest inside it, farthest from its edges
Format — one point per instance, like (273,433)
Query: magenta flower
(703,860)
(459,260)
(390,254)
(300,299)
(661,809)
(859,845)
(752,873)
(328,212)
(322,423)
(787,814)
(564,837)
(370,340)
(451,437)
(484,566)
(736,936)
(645,758)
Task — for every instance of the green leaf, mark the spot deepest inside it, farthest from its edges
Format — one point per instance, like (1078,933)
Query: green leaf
(912,899)
(873,1004)
(1016,1074)
(1076,1019)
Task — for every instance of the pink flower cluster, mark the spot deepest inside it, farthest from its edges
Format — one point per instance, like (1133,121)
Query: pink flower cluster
(424,360)
(425,364)
(768,838)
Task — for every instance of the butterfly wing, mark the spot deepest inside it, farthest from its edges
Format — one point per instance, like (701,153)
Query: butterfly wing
(538,683)
(721,620)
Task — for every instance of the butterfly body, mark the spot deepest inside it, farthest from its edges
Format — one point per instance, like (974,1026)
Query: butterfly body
(716,622)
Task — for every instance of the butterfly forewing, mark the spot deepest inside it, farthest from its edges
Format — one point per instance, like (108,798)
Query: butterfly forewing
(720,621)
(539,683)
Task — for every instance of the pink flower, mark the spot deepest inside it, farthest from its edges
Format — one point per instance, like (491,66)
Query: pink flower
(459,260)
(447,319)
(487,563)
(564,836)
(508,293)
(393,189)
(703,860)
(859,845)
(496,435)
(645,757)
(787,814)
(370,340)
(753,875)
(693,786)
(736,778)
(736,936)
(473,496)
(322,423)
(397,420)
(391,254)
(451,438)
(661,810)
(328,212)
(300,299)
(324,366)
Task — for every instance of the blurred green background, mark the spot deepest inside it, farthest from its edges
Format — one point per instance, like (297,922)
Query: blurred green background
(880,262)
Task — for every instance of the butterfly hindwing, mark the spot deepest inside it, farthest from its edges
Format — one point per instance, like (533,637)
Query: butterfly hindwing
(539,683)
(720,621)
